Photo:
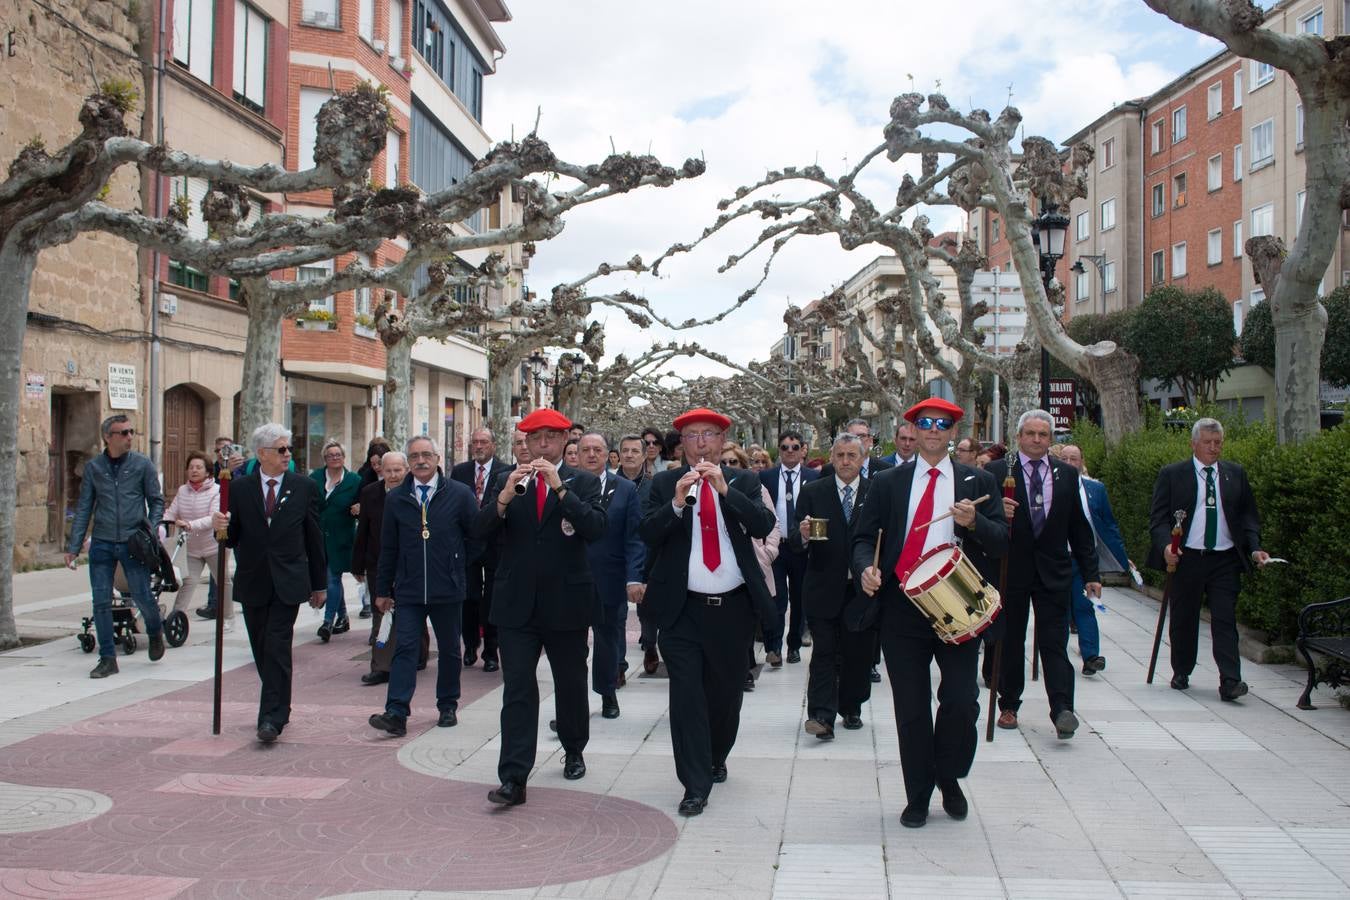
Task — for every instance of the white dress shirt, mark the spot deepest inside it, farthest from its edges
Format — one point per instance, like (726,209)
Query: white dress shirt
(784,526)
(1195,535)
(1047,481)
(944,497)
(274,480)
(434,483)
(727,576)
(840,484)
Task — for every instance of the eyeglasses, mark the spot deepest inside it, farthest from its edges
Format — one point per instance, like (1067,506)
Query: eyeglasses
(425,455)
(700,435)
(125,432)
(928,423)
(280,451)
(790,447)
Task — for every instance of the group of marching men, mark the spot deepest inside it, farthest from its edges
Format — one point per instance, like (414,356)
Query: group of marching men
(552,552)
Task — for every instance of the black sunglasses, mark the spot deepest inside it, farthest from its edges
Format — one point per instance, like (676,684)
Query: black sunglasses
(284,451)
(928,423)
(789,447)
(125,432)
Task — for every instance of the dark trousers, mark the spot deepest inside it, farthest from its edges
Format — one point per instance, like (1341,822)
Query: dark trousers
(520,648)
(271,628)
(789,571)
(647,640)
(381,658)
(931,750)
(410,621)
(705,655)
(1217,578)
(839,682)
(476,607)
(610,645)
(1052,640)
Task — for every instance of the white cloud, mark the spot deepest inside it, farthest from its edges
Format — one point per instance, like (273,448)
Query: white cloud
(753,86)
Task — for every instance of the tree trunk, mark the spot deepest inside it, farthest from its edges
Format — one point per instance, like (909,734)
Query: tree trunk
(17,263)
(398,386)
(1024,393)
(1117,379)
(1300,331)
(262,358)
(499,397)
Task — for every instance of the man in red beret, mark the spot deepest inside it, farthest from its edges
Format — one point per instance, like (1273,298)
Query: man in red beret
(543,597)
(706,591)
(900,504)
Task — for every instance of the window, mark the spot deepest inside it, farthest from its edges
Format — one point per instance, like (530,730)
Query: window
(1215,172)
(310,102)
(994,231)
(1237,89)
(194,189)
(1263,144)
(1262,73)
(1157,132)
(1179,260)
(1108,277)
(250,56)
(1311,23)
(1083,225)
(1263,220)
(1298,127)
(436,160)
(1179,189)
(1257,297)
(1178,124)
(1214,100)
(1108,218)
(1299,199)
(1237,239)
(449,53)
(365,20)
(1159,200)
(323,13)
(1108,153)
(313,272)
(1237,317)
(194,31)
(1159,267)
(1082,287)
(392,146)
(396,28)
(1237,162)
(1214,250)
(364,307)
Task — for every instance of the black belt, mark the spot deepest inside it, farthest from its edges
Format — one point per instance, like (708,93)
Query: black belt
(1202,552)
(716,599)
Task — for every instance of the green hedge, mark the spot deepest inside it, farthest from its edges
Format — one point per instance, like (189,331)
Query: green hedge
(1302,493)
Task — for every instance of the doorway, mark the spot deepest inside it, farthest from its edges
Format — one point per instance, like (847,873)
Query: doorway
(184,432)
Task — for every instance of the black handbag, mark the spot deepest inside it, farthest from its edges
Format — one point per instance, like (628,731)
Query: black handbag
(143,547)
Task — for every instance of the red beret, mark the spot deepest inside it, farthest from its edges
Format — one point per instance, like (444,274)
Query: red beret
(702,414)
(542,419)
(938,404)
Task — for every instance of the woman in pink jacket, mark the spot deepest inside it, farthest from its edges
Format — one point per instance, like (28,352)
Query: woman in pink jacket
(191,510)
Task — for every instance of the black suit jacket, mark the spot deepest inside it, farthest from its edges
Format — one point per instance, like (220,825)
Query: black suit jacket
(887,508)
(1176,488)
(285,558)
(669,537)
(366,550)
(875,464)
(543,574)
(465,473)
(827,586)
(1065,539)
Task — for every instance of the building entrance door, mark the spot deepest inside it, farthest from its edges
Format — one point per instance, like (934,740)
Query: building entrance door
(184,431)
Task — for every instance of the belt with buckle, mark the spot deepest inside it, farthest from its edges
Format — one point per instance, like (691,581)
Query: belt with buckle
(1200,551)
(716,599)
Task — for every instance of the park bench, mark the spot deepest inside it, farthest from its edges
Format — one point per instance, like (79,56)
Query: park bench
(1324,628)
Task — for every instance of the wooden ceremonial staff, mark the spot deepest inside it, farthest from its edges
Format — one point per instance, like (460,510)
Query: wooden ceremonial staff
(1177,517)
(221,596)
(1009,485)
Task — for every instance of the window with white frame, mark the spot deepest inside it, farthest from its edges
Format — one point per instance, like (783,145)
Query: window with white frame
(1237,162)
(190,192)
(1159,267)
(1108,153)
(1237,239)
(392,148)
(1299,199)
(1237,89)
(1082,287)
(1257,297)
(1083,225)
(1311,23)
(1179,260)
(194,33)
(1262,73)
(1108,214)
(313,272)
(365,20)
(1159,200)
(1298,127)
(1179,189)
(1263,220)
(1157,132)
(311,101)
(1214,250)
(1263,144)
(396,15)
(1237,317)
(1214,99)
(323,13)
(1108,277)
(364,304)
(1178,124)
(250,56)
(1215,178)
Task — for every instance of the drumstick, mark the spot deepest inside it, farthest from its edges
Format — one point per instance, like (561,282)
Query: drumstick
(948,514)
(876,551)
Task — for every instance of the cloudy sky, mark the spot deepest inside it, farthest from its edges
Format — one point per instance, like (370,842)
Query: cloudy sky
(751,85)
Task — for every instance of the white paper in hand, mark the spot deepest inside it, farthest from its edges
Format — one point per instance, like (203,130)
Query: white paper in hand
(386,623)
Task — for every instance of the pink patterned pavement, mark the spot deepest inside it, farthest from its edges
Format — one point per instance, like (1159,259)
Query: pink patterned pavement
(326,810)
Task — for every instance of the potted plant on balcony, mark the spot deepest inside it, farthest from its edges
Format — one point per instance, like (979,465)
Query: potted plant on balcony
(364,325)
(317,319)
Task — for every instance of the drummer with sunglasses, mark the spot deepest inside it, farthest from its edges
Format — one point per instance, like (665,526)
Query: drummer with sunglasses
(933,752)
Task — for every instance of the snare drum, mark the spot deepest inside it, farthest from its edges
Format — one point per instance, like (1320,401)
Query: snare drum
(952,595)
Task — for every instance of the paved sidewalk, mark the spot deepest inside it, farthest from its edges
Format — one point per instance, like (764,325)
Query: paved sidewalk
(117,788)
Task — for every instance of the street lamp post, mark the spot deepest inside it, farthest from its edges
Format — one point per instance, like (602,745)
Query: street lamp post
(1048,232)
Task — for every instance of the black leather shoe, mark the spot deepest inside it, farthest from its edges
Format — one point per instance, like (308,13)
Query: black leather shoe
(490,664)
(876,676)
(365,612)
(823,730)
(650,660)
(749,683)
(1181,682)
(206,612)
(370,679)
(914,816)
(574,766)
(693,806)
(794,656)
(953,800)
(448,719)
(268,733)
(325,632)
(470,657)
(342,625)
(609,706)
(510,793)
(774,659)
(157,650)
(1094,664)
(719,773)
(395,725)
(107,665)
(1066,723)
(1229,692)
(852,723)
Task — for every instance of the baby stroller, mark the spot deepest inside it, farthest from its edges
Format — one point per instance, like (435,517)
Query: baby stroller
(163,579)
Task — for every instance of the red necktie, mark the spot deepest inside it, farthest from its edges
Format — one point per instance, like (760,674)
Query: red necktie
(913,548)
(478,484)
(271,497)
(539,496)
(707,524)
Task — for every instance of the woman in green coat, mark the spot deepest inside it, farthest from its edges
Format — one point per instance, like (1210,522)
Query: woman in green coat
(339,487)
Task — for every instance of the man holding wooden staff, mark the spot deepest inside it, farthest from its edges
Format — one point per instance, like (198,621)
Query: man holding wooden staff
(918,506)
